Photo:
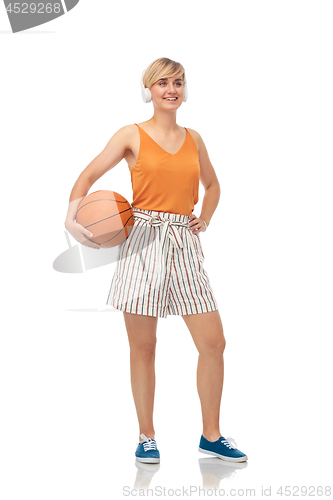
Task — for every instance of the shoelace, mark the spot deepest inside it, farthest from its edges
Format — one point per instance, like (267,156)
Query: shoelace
(229,442)
(148,443)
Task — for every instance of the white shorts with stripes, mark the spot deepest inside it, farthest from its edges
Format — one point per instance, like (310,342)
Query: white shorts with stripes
(160,268)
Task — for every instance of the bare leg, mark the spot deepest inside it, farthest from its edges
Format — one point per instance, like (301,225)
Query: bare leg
(141,331)
(207,333)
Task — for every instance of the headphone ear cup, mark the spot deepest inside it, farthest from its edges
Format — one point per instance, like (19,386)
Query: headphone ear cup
(145,93)
(185,95)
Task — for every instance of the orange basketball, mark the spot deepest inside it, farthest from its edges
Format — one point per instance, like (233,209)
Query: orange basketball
(108,215)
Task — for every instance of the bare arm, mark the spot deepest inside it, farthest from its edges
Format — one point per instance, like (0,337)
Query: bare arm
(111,155)
(209,181)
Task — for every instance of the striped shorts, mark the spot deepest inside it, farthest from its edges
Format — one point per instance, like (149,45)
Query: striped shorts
(160,268)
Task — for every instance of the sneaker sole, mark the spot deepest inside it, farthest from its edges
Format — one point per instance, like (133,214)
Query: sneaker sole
(148,460)
(222,457)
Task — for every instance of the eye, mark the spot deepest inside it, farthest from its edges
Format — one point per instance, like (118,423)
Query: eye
(179,83)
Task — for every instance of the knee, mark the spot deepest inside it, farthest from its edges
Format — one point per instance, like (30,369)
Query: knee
(144,350)
(220,345)
(216,346)
(223,345)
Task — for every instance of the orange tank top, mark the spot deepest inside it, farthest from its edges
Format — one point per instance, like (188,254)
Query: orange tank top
(163,181)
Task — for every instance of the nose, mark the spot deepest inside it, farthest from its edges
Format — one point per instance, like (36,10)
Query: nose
(170,88)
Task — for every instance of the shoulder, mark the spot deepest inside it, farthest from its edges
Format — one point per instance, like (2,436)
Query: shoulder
(126,136)
(127,131)
(197,138)
(208,176)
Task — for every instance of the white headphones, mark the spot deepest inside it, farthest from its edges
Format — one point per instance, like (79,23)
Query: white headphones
(146,94)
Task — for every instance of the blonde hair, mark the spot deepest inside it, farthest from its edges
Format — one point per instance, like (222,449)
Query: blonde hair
(162,68)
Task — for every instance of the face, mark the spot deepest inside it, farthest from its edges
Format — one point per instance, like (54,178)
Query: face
(167,93)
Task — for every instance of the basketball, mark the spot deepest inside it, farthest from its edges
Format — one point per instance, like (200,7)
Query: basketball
(108,215)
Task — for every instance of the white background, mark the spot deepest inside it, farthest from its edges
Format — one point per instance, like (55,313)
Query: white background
(260,94)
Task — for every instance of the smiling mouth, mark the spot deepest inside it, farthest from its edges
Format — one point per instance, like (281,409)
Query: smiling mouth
(172,99)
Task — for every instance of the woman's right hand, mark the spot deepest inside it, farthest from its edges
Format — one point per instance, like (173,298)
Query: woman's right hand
(81,234)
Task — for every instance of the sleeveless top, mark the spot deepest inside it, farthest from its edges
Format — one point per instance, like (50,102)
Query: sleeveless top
(163,181)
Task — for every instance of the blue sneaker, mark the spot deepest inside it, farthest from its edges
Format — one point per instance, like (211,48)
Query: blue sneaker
(147,451)
(226,449)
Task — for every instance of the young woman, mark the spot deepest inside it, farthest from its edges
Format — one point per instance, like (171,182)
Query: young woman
(160,265)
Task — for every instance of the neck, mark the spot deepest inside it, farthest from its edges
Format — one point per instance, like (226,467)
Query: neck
(164,121)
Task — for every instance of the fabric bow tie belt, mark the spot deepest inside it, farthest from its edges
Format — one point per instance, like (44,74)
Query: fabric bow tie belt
(167,232)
